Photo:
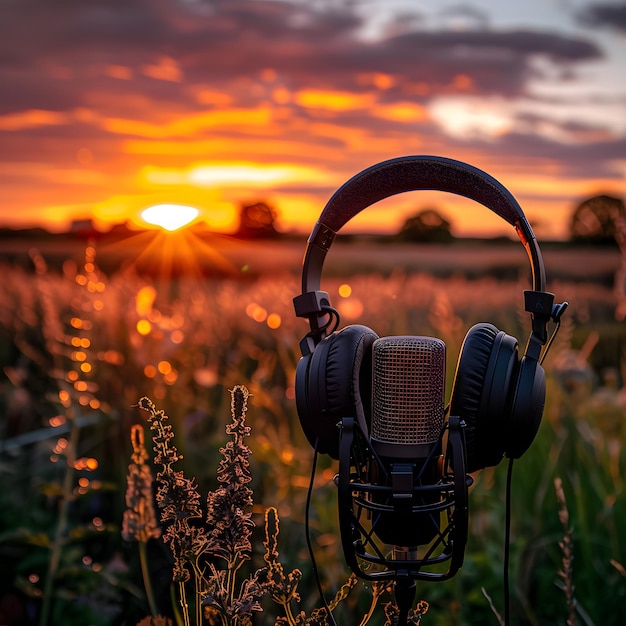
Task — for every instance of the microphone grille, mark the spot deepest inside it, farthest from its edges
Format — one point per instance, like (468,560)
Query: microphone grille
(408,386)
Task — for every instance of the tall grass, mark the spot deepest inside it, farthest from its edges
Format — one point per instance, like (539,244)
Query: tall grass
(185,344)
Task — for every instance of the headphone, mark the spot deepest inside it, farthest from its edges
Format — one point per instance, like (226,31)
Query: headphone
(498,394)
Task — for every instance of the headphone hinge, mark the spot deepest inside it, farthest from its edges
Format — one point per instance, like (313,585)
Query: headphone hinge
(322,236)
(307,345)
(311,303)
(539,305)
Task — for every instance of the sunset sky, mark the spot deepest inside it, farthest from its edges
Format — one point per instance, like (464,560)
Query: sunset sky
(110,106)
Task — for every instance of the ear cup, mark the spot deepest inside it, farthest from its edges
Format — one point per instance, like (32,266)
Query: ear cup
(335,382)
(482,392)
(302,399)
(527,407)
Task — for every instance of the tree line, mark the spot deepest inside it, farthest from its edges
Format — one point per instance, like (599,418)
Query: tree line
(598,220)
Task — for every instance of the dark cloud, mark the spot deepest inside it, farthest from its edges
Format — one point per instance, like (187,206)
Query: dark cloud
(496,62)
(53,54)
(612,16)
(93,61)
(532,151)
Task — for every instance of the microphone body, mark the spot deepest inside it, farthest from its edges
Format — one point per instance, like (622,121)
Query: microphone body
(408,387)
(402,484)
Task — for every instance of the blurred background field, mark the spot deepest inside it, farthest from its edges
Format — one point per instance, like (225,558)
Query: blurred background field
(249,114)
(87,329)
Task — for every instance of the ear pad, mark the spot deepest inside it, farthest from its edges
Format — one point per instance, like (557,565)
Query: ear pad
(482,392)
(527,408)
(335,382)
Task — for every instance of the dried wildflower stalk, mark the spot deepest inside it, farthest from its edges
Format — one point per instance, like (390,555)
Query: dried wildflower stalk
(492,606)
(283,589)
(71,367)
(229,518)
(566,574)
(139,523)
(198,544)
(378,589)
(414,617)
(222,597)
(619,567)
(179,501)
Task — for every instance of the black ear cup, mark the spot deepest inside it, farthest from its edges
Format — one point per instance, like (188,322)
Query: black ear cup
(482,393)
(527,408)
(335,382)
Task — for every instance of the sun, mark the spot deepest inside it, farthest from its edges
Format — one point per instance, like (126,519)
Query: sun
(169,216)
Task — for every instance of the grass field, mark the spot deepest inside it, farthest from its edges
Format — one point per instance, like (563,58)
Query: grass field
(80,346)
(149,251)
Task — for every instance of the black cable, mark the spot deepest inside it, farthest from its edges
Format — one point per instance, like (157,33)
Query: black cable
(307,531)
(333,314)
(549,343)
(557,313)
(507,544)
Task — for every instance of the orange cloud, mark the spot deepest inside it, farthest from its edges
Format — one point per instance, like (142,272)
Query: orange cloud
(333,100)
(73,177)
(238,174)
(377,79)
(401,112)
(224,146)
(120,72)
(462,82)
(166,69)
(212,97)
(182,126)
(32,118)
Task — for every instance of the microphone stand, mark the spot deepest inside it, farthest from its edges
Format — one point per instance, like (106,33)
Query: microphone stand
(405,596)
(356,506)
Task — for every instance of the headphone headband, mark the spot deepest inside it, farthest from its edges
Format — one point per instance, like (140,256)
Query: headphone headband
(414,173)
(399,175)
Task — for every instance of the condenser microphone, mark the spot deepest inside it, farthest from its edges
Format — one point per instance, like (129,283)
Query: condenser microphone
(402,483)
(408,387)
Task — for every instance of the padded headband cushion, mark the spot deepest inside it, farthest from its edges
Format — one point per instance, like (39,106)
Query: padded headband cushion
(413,173)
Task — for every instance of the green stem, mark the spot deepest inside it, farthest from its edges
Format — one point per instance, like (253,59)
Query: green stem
(183,603)
(289,614)
(368,615)
(61,525)
(197,579)
(231,577)
(145,573)
(177,616)
(366,618)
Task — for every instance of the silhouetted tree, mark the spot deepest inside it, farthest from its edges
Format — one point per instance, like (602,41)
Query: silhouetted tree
(602,220)
(256,221)
(426,226)
(598,220)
